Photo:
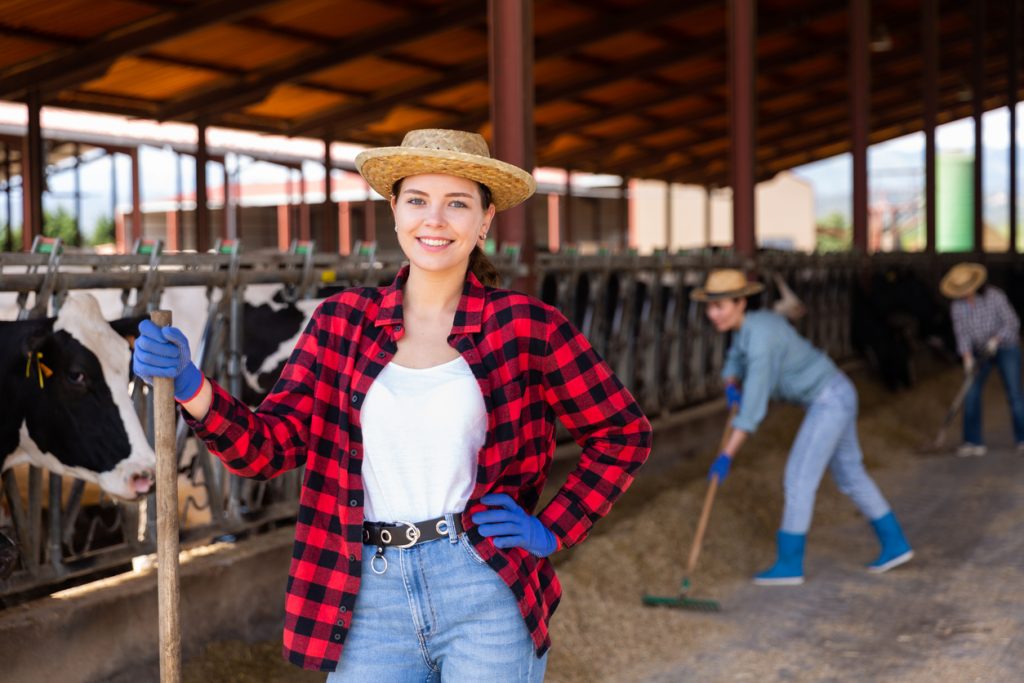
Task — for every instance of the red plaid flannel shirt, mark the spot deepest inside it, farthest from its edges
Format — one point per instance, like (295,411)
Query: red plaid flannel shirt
(532,365)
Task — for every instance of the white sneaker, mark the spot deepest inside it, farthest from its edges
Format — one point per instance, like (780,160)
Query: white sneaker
(971,449)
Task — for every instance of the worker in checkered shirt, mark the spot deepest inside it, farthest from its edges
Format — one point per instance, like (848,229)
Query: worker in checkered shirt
(987,334)
(424,413)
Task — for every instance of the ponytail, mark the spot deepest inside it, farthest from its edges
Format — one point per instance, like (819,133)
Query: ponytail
(482,267)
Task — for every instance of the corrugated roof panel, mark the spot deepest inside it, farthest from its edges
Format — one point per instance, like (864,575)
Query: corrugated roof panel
(465,97)
(559,112)
(369,74)
(74,18)
(402,119)
(456,47)
(623,91)
(559,70)
(292,101)
(624,46)
(550,17)
(618,126)
(234,46)
(150,80)
(332,18)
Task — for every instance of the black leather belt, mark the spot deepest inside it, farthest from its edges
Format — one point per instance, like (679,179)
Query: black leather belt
(407,534)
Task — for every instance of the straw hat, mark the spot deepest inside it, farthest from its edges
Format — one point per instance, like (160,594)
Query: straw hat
(454,152)
(963,279)
(726,283)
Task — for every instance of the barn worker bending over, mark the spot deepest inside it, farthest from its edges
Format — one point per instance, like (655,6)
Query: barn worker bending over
(769,359)
(987,333)
(424,413)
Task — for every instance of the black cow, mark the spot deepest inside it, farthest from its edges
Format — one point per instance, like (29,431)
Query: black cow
(64,382)
(894,310)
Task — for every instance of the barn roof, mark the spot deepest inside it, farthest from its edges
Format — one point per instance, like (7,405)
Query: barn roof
(633,87)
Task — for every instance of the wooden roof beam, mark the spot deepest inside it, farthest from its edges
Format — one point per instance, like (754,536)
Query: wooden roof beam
(256,86)
(69,66)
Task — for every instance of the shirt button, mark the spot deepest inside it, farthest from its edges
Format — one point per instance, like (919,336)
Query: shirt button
(353,452)
(344,609)
(337,636)
(351,558)
(398,327)
(355,398)
(353,502)
(341,622)
(381,354)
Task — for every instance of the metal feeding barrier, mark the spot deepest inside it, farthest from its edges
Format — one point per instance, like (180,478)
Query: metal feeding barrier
(636,311)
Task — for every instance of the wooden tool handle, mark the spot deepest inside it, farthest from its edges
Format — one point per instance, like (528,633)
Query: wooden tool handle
(709,499)
(164,418)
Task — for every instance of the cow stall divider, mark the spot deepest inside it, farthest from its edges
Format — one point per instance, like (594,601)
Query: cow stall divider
(635,309)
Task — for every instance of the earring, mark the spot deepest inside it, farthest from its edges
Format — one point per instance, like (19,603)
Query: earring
(396,228)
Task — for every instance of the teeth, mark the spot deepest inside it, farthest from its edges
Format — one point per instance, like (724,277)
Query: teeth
(434,243)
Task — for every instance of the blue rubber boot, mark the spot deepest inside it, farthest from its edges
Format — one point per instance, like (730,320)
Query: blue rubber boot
(895,549)
(789,567)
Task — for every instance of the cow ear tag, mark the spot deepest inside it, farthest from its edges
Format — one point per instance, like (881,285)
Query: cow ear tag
(41,367)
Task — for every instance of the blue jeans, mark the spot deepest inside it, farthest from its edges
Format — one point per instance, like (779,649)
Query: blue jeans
(1008,360)
(828,438)
(438,613)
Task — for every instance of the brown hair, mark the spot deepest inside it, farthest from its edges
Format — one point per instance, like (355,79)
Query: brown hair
(479,264)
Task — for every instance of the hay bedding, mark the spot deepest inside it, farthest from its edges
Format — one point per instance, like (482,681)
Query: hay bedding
(601,632)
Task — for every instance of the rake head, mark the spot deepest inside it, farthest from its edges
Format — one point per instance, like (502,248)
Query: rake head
(681,601)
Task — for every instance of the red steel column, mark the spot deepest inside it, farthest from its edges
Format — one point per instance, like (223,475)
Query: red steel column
(860,113)
(1011,100)
(742,110)
(136,230)
(202,216)
(510,48)
(344,229)
(930,44)
(33,163)
(978,108)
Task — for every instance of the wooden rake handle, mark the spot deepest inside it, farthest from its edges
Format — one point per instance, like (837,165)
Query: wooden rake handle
(709,499)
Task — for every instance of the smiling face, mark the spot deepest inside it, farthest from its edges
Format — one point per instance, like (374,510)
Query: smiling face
(440,219)
(727,314)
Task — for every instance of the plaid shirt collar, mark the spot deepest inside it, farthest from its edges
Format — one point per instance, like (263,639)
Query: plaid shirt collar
(468,316)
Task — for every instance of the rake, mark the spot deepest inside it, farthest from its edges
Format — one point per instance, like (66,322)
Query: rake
(683,600)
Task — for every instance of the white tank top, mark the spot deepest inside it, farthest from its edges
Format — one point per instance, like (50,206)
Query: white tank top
(422,430)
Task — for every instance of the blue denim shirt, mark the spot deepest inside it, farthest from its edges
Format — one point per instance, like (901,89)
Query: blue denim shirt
(773,361)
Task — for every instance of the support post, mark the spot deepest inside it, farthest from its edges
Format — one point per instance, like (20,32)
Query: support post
(930,44)
(978,109)
(33,163)
(742,111)
(1014,70)
(136,225)
(202,213)
(860,113)
(77,171)
(510,51)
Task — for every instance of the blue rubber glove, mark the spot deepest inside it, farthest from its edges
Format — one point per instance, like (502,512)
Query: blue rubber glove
(164,352)
(510,526)
(720,467)
(733,396)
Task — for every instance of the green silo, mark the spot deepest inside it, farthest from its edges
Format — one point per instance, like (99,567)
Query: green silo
(954,190)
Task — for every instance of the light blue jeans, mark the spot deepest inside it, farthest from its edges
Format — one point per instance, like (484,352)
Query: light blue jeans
(437,614)
(1008,361)
(828,438)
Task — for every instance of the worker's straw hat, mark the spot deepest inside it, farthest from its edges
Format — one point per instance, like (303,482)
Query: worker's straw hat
(726,283)
(963,279)
(453,152)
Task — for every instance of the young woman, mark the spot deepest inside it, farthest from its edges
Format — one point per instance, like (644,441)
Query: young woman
(987,333)
(769,359)
(424,413)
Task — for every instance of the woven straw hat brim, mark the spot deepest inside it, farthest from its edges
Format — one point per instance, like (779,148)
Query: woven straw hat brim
(703,295)
(384,166)
(963,280)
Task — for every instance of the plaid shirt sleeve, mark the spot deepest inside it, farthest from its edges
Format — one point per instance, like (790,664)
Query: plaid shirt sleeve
(603,418)
(273,439)
(1009,328)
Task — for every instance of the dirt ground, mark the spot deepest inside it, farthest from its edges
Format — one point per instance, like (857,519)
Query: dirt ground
(955,613)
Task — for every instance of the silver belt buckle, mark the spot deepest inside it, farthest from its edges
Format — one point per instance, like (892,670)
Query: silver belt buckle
(412,534)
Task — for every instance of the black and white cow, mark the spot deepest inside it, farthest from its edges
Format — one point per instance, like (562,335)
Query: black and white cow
(64,383)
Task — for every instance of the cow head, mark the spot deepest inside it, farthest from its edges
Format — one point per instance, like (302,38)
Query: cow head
(67,378)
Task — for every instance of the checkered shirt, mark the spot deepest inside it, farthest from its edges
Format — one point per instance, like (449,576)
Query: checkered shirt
(989,315)
(531,364)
